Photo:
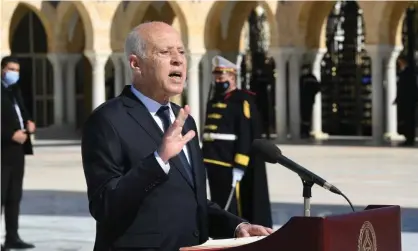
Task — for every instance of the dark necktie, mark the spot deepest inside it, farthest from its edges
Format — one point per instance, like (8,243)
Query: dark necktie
(164,114)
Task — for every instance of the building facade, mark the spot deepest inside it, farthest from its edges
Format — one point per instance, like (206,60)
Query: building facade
(72,53)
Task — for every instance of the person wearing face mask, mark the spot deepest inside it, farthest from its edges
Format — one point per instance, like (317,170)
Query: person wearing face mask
(232,123)
(16,126)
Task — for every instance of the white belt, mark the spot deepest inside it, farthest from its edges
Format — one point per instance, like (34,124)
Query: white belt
(220,136)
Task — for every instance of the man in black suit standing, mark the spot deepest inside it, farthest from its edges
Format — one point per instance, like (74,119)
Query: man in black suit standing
(16,126)
(142,162)
(406,101)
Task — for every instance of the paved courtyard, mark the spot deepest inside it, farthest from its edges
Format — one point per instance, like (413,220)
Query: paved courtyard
(55,216)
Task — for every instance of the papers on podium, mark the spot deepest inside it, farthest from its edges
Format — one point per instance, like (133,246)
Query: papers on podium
(223,243)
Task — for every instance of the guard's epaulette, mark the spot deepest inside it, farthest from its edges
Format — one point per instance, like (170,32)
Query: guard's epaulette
(249,92)
(240,94)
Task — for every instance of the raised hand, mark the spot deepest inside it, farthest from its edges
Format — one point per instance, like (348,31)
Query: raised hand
(173,140)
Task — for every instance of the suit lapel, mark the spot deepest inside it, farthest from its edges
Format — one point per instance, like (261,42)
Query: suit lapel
(191,147)
(141,115)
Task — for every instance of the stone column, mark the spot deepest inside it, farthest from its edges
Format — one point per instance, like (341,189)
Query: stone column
(378,54)
(295,63)
(391,79)
(98,61)
(193,86)
(70,89)
(317,109)
(117,60)
(4,53)
(58,63)
(240,57)
(281,56)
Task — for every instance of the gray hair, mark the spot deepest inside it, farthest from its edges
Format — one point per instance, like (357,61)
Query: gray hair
(134,44)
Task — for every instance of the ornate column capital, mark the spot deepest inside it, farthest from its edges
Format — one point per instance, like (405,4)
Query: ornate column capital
(396,50)
(117,57)
(282,52)
(4,53)
(97,58)
(194,58)
(57,58)
(378,50)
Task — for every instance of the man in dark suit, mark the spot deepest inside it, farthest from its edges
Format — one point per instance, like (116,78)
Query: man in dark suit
(142,162)
(309,87)
(16,126)
(406,100)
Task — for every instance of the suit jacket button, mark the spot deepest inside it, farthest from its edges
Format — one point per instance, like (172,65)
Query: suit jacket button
(196,233)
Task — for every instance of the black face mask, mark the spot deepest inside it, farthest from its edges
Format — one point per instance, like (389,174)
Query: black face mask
(221,87)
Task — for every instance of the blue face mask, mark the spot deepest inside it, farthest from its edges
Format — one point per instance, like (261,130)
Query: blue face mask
(221,87)
(11,77)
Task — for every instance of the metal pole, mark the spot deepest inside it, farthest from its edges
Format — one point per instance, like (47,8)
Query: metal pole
(231,194)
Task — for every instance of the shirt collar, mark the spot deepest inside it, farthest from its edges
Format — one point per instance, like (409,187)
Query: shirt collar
(151,105)
(4,84)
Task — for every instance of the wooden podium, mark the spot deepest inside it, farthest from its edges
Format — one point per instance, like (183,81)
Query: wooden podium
(374,228)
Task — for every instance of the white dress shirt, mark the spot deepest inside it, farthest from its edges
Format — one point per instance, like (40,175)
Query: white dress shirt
(19,115)
(18,112)
(152,107)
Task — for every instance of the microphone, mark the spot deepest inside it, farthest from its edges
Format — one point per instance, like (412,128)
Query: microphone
(272,154)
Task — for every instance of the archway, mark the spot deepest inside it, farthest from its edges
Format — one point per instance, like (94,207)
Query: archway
(165,11)
(242,32)
(225,22)
(345,74)
(28,42)
(410,32)
(74,41)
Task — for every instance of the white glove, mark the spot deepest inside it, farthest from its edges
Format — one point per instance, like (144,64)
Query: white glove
(236,176)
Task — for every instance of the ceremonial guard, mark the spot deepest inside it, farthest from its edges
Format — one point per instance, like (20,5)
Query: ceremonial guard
(232,123)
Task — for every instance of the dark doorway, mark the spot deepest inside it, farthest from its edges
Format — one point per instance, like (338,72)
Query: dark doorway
(257,70)
(345,74)
(29,45)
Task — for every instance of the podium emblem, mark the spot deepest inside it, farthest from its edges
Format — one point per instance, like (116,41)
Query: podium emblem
(367,238)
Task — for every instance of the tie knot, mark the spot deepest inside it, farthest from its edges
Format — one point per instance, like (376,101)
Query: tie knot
(164,110)
(164,114)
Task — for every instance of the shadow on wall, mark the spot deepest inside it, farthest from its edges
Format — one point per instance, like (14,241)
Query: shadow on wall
(66,203)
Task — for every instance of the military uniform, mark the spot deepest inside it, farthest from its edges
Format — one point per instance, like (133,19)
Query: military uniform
(232,123)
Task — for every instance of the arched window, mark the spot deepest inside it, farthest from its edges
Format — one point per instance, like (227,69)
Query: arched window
(29,45)
(257,69)
(345,73)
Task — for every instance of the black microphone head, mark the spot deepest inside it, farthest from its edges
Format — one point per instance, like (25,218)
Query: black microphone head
(267,150)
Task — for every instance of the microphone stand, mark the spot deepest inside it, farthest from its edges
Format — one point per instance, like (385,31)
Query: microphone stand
(307,194)
(231,194)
